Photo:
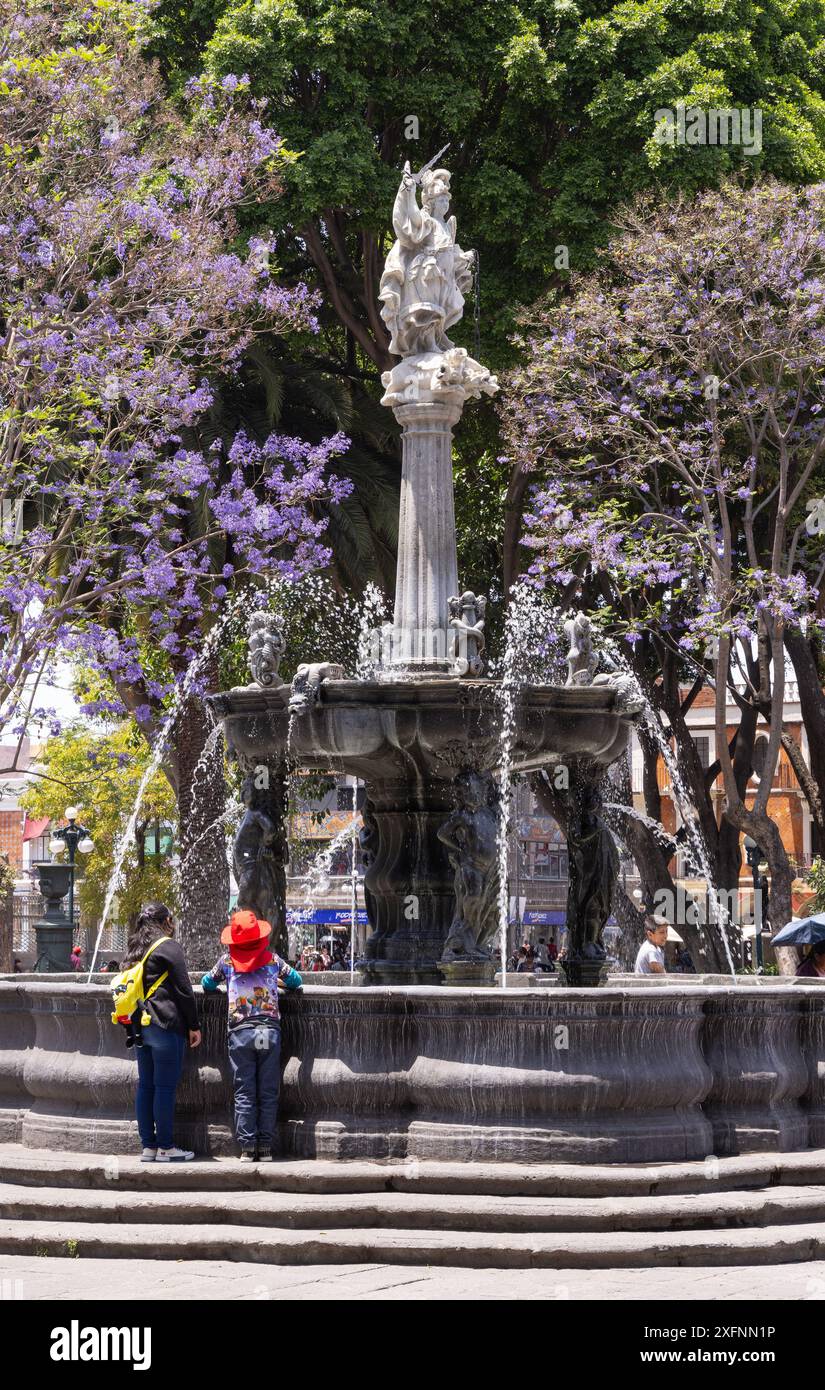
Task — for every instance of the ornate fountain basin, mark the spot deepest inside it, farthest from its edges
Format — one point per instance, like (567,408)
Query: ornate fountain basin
(414,743)
(614,1075)
(437,726)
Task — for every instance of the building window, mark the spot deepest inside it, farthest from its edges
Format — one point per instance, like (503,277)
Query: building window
(344,798)
(39,850)
(703,749)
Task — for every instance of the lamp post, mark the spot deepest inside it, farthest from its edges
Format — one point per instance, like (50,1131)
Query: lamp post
(71,838)
(754,856)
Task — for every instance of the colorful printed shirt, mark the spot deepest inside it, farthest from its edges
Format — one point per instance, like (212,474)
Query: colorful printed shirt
(253,994)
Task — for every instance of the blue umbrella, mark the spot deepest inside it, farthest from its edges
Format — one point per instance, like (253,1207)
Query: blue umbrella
(802,933)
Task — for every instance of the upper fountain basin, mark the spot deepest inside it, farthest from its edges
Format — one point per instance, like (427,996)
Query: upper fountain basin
(435,725)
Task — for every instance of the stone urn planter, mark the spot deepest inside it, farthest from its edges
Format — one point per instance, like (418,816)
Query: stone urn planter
(54,930)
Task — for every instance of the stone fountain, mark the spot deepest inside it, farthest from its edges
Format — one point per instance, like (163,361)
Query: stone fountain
(424,734)
(415,1068)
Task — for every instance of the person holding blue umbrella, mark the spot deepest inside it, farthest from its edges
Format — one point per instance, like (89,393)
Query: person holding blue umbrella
(809,931)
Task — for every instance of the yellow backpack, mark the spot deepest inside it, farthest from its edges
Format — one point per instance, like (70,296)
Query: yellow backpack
(127,990)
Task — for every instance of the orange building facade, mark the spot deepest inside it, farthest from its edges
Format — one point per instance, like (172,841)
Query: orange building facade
(786,805)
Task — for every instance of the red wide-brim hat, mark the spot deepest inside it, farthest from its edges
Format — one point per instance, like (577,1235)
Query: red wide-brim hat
(245,929)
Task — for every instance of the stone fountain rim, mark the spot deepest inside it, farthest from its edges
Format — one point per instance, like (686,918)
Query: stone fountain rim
(606,994)
(587,699)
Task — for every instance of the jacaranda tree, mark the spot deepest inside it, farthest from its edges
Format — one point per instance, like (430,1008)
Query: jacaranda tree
(670,416)
(126,288)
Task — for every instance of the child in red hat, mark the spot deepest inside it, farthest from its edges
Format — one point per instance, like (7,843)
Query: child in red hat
(251,972)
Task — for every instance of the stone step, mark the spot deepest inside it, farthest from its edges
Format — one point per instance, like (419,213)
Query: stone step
(417,1211)
(464,1249)
(53,1169)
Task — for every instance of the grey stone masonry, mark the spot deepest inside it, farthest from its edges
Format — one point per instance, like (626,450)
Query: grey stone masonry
(470,1075)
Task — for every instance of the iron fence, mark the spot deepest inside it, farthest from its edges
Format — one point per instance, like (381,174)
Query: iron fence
(28,908)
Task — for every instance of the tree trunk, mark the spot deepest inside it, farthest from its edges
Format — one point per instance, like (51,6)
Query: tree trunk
(653,861)
(513,511)
(204,869)
(812,703)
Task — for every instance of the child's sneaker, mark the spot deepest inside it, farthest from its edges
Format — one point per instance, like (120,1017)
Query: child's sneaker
(148,1155)
(248,1156)
(174,1155)
(266,1156)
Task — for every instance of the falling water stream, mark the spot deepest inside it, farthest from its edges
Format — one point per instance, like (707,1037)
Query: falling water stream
(531,653)
(687,811)
(183,689)
(353,882)
(315,879)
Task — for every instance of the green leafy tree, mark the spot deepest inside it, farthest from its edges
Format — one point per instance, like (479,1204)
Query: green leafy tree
(101,773)
(550,109)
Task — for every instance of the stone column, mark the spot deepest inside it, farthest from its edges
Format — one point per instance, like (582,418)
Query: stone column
(409,882)
(427,571)
(261,848)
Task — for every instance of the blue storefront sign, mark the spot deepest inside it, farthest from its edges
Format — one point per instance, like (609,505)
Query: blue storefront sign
(326,917)
(542,919)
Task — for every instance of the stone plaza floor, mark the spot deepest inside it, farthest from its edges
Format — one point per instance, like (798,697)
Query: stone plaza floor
(29,1278)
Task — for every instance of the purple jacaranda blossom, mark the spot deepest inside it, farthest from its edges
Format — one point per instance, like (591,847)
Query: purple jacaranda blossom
(658,404)
(125,300)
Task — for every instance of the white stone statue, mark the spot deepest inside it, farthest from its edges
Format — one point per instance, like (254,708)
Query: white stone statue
(422,295)
(426,273)
(582,661)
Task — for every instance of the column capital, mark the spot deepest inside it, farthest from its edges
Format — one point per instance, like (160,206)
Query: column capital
(451,378)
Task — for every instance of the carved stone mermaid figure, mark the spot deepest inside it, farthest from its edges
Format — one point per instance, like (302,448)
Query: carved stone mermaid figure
(467,623)
(471,837)
(265,648)
(582,661)
(259,860)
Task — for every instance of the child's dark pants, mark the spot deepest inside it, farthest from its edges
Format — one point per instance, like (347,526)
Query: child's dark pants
(255,1059)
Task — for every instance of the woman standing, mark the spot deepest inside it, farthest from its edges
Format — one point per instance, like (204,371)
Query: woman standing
(174,1020)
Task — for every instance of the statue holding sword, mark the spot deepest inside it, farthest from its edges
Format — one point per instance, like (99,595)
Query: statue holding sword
(426,273)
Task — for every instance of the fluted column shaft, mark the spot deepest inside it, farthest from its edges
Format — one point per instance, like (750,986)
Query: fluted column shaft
(427,572)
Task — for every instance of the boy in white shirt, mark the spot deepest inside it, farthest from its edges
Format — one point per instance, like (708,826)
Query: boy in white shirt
(650,959)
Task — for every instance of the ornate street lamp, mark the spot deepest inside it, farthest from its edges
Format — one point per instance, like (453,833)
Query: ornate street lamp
(74,838)
(754,856)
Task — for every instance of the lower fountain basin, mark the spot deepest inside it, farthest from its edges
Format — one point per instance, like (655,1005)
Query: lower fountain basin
(428,752)
(610,1075)
(435,726)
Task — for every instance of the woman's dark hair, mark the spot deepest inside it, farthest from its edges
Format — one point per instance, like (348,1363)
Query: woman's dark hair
(153,920)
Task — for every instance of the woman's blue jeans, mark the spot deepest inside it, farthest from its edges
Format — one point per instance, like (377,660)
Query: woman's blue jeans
(160,1063)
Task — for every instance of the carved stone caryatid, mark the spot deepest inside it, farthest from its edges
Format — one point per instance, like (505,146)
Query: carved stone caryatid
(470,835)
(422,295)
(593,865)
(582,661)
(265,648)
(368,848)
(467,625)
(260,852)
